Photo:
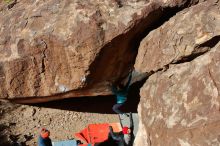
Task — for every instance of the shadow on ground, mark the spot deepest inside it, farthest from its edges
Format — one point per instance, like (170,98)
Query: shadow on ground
(98,104)
(3,138)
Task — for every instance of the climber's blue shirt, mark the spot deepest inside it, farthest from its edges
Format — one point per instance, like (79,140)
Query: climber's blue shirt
(121,95)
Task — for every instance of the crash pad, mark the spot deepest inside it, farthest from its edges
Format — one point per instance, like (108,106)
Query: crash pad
(65,143)
(95,133)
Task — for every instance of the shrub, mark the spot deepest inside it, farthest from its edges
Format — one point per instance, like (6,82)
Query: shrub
(7,1)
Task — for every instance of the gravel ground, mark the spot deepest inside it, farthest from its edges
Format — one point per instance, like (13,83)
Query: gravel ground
(22,123)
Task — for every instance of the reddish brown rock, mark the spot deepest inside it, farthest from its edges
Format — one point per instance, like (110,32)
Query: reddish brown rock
(181,37)
(180,105)
(70,48)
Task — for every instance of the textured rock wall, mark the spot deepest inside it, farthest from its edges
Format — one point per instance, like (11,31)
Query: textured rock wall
(68,48)
(48,47)
(179,39)
(58,49)
(180,102)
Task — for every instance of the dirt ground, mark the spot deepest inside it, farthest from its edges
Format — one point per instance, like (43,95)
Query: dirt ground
(63,118)
(22,123)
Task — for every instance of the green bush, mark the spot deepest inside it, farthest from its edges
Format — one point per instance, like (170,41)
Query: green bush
(7,1)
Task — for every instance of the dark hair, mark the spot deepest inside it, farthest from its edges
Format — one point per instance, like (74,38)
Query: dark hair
(120,86)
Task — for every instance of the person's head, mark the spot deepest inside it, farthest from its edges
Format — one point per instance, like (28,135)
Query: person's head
(120,86)
(126,130)
(44,133)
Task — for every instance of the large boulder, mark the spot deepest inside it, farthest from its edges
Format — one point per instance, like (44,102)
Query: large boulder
(182,38)
(58,49)
(180,102)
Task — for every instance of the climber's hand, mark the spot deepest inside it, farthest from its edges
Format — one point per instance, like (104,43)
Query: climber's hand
(131,69)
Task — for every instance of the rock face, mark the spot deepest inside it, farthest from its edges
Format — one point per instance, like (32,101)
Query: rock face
(58,49)
(179,39)
(180,102)
(70,48)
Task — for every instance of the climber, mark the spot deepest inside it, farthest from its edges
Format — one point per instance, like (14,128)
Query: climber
(124,137)
(121,95)
(43,139)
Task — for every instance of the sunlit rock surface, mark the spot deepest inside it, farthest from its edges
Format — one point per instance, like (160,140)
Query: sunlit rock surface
(191,32)
(67,48)
(180,102)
